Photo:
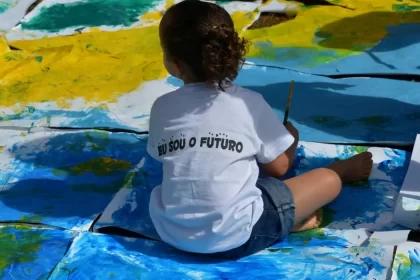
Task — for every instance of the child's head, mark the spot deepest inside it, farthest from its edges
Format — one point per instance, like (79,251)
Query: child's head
(200,43)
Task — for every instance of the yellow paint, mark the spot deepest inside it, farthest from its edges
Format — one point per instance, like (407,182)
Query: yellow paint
(152,17)
(96,66)
(169,3)
(101,66)
(359,31)
(243,20)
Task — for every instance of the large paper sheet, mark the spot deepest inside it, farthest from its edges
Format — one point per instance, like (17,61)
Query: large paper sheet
(360,207)
(31,252)
(334,37)
(62,84)
(124,258)
(63,179)
(323,109)
(407,209)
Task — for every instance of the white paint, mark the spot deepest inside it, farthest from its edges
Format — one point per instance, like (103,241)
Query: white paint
(393,238)
(13,15)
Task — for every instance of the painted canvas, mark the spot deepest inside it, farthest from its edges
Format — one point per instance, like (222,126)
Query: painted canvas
(335,37)
(406,265)
(323,108)
(367,206)
(119,94)
(63,179)
(71,68)
(127,258)
(28,252)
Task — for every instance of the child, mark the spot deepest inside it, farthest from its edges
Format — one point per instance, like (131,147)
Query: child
(210,136)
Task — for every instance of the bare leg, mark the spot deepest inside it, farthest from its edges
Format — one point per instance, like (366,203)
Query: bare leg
(321,186)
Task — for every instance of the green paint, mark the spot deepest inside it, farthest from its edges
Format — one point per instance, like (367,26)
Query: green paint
(18,245)
(360,184)
(360,149)
(89,13)
(13,56)
(404,8)
(128,180)
(88,46)
(29,110)
(352,150)
(4,5)
(282,250)
(327,216)
(32,218)
(306,236)
(377,121)
(98,139)
(102,166)
(223,2)
(403,267)
(329,121)
(111,275)
(38,59)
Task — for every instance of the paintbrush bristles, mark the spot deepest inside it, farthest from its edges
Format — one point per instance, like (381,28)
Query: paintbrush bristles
(289,100)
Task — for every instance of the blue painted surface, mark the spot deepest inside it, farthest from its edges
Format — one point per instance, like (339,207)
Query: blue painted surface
(65,179)
(395,53)
(31,253)
(368,205)
(123,258)
(356,110)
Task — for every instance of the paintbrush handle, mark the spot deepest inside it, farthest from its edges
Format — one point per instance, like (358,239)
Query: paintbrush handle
(289,101)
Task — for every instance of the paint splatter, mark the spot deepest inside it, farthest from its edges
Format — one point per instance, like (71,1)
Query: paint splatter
(331,121)
(99,166)
(405,7)
(13,252)
(375,121)
(98,140)
(90,13)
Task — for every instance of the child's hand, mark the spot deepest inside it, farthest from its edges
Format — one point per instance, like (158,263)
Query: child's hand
(292,130)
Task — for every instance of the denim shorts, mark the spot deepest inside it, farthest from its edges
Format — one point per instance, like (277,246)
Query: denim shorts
(275,223)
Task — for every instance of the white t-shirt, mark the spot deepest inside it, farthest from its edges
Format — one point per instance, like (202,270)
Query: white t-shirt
(209,142)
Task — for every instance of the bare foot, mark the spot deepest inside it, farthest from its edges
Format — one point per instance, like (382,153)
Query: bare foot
(354,169)
(314,221)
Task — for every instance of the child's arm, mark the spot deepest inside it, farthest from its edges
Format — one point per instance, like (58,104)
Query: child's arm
(276,143)
(284,162)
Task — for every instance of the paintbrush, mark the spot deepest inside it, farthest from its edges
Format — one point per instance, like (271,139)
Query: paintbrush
(289,100)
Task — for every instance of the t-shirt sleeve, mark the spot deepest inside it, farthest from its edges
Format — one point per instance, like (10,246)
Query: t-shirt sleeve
(273,139)
(152,148)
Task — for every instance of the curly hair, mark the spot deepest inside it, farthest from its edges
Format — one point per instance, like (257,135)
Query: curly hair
(202,36)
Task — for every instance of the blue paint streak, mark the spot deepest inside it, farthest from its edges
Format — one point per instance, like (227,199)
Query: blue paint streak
(155,260)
